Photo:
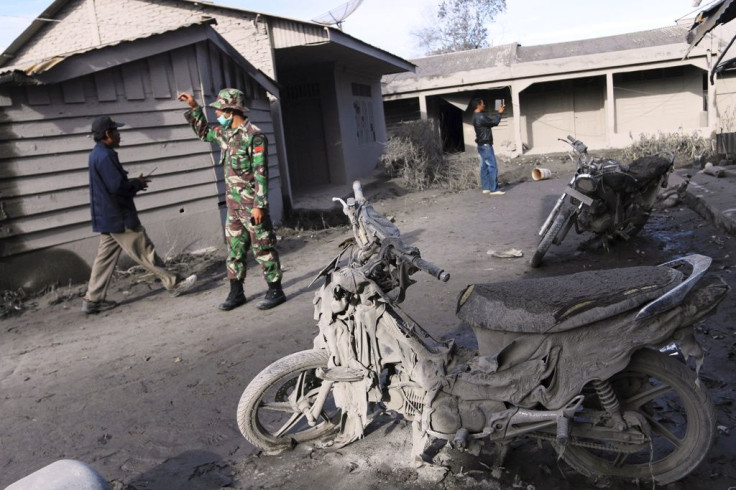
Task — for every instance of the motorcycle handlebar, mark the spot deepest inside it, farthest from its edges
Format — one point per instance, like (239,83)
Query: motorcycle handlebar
(358,191)
(417,262)
(430,269)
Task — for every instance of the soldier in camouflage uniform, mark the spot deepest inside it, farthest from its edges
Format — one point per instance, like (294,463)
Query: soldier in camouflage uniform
(244,157)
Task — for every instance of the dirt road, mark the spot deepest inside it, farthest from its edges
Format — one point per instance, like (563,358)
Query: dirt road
(147,392)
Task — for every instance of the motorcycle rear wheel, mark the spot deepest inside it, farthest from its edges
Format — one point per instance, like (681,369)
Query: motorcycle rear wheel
(680,415)
(265,415)
(549,237)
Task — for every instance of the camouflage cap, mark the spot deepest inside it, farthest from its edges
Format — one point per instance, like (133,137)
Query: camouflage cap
(230,98)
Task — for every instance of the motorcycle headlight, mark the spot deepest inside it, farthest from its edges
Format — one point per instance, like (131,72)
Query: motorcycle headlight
(585,184)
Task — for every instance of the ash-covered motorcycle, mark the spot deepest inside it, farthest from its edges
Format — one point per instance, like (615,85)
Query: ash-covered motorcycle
(576,360)
(605,197)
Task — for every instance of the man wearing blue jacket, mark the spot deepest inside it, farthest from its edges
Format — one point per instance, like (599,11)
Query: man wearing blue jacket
(114,216)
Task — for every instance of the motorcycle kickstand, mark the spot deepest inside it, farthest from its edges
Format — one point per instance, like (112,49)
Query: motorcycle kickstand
(501,450)
(420,442)
(424,446)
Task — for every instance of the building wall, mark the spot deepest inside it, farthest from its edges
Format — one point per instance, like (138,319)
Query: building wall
(45,146)
(726,98)
(553,110)
(361,114)
(659,101)
(88,23)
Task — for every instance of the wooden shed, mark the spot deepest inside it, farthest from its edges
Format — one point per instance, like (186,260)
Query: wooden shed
(45,115)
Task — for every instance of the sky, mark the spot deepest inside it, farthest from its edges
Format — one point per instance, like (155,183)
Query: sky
(389,24)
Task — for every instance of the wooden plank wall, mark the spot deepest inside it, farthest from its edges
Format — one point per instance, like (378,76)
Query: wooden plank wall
(45,141)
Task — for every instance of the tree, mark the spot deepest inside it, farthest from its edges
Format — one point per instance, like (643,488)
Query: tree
(461,26)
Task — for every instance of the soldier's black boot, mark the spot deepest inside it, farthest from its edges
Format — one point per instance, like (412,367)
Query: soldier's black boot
(235,298)
(274,297)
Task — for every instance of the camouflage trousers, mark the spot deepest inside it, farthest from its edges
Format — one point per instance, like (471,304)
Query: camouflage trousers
(241,234)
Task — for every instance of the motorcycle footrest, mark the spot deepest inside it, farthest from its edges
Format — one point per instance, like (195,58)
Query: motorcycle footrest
(563,430)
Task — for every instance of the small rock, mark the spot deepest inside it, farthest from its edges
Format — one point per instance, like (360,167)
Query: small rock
(432,473)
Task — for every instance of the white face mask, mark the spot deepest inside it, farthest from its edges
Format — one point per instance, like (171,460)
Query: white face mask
(225,121)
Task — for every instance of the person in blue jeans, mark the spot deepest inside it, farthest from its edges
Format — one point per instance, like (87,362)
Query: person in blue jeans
(483,123)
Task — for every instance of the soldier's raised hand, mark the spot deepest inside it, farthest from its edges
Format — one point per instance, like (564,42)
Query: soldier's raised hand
(189,99)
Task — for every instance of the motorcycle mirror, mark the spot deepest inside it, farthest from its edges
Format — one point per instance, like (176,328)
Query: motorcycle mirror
(343,203)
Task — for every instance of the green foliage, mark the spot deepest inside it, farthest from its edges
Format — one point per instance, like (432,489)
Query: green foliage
(686,148)
(460,26)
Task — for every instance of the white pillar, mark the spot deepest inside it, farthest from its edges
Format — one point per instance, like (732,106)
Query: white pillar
(516,111)
(610,109)
(423,107)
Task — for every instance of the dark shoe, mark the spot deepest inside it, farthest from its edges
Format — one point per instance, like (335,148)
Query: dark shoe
(233,301)
(184,285)
(235,298)
(274,297)
(93,307)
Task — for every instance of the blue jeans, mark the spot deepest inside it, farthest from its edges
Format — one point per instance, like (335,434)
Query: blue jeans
(488,168)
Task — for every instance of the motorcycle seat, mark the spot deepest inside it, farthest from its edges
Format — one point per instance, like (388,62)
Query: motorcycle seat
(556,304)
(645,169)
(636,175)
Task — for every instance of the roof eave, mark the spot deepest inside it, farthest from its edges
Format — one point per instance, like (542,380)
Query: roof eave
(399,64)
(73,65)
(37,24)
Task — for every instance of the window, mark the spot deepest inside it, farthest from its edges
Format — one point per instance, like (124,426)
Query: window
(361,90)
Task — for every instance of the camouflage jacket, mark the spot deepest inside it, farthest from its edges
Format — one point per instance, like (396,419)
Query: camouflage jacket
(243,154)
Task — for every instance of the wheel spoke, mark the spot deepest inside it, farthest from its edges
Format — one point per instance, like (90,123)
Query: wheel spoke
(300,383)
(277,406)
(289,424)
(662,430)
(645,397)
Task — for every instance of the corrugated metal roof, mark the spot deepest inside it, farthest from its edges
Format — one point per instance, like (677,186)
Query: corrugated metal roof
(45,65)
(307,27)
(475,59)
(622,42)
(287,34)
(509,54)
(720,12)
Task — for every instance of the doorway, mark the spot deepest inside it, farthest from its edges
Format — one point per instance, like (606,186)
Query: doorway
(305,136)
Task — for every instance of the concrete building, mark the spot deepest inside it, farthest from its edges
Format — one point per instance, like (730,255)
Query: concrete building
(606,91)
(313,90)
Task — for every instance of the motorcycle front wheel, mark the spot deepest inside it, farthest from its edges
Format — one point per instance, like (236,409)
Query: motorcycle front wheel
(549,237)
(269,414)
(679,414)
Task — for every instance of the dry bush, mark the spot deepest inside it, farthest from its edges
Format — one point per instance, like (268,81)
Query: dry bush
(686,148)
(11,302)
(414,154)
(461,172)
